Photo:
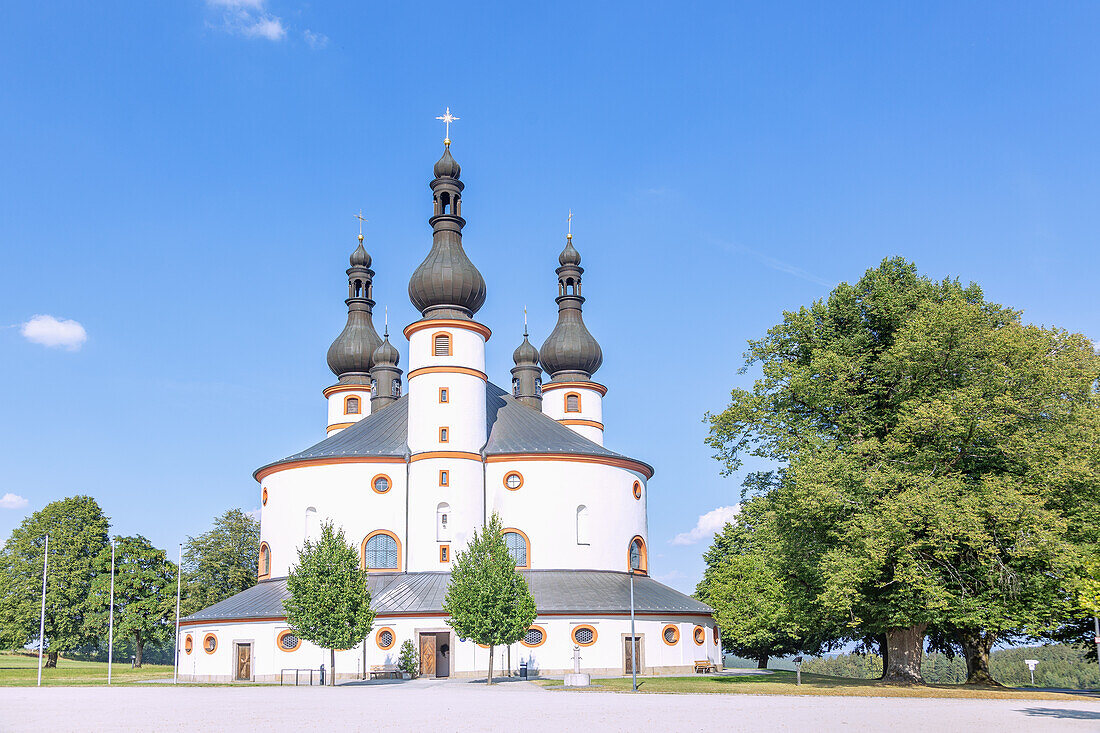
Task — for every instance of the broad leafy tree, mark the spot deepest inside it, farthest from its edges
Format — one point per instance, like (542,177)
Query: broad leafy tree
(221,562)
(488,601)
(329,602)
(78,534)
(927,445)
(145,594)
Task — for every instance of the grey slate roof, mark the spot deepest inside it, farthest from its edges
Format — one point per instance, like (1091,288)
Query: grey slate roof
(555,591)
(512,428)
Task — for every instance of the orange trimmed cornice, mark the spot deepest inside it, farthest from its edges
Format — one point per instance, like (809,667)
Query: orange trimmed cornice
(448,370)
(329,391)
(447,323)
(594,386)
(445,454)
(339,426)
(263,473)
(439,614)
(589,423)
(627,463)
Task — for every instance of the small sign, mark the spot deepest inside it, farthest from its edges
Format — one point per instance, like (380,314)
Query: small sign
(1031,663)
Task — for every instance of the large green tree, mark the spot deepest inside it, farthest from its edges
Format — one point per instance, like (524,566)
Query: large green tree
(487,600)
(221,562)
(145,594)
(912,424)
(78,534)
(329,602)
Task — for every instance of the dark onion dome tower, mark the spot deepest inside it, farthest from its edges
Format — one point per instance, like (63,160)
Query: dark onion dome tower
(446,284)
(385,376)
(570,353)
(349,357)
(527,374)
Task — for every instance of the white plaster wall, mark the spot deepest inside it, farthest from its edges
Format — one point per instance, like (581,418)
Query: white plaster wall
(545,509)
(336,407)
(467,349)
(553,405)
(463,414)
(340,492)
(464,494)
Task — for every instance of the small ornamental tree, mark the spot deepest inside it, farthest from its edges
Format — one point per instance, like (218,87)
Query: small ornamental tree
(329,602)
(408,661)
(487,600)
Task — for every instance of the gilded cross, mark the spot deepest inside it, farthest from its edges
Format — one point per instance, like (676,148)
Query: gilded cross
(359,216)
(448,118)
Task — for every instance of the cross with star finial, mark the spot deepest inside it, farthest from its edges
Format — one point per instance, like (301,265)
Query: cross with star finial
(448,118)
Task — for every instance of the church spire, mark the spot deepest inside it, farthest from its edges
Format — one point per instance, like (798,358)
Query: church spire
(570,353)
(447,284)
(349,357)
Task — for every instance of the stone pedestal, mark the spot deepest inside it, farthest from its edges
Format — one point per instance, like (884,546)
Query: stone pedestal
(578,679)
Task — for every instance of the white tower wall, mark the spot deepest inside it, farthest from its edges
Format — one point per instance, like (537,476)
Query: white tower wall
(337,396)
(588,420)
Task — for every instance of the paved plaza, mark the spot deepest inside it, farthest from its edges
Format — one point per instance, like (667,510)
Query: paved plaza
(513,706)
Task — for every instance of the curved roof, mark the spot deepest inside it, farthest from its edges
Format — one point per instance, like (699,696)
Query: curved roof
(512,426)
(555,592)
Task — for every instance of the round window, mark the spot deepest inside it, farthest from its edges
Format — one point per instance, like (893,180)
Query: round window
(584,635)
(263,498)
(534,636)
(381,483)
(513,480)
(637,490)
(289,641)
(385,638)
(700,635)
(188,644)
(670,634)
(210,643)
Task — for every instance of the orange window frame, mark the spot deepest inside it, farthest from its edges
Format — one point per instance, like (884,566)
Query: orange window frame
(263,497)
(565,402)
(508,476)
(444,434)
(389,483)
(450,343)
(573,634)
(265,559)
(279,641)
(444,553)
(676,634)
(444,477)
(643,555)
(363,551)
(532,646)
(699,635)
(526,541)
(188,644)
(358,405)
(637,490)
(378,638)
(444,395)
(207,638)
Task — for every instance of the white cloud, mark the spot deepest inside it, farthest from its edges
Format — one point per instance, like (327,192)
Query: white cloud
(268,27)
(12,501)
(49,331)
(315,40)
(708,524)
(250,19)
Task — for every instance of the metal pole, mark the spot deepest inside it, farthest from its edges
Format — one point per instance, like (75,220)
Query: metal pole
(176,644)
(42,620)
(111,623)
(633,637)
(1096,629)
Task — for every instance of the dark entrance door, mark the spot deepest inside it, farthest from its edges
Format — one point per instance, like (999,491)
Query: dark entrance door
(244,662)
(427,655)
(628,654)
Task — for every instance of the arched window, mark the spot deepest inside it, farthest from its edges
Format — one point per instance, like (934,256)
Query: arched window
(313,526)
(381,551)
(441,344)
(443,522)
(582,525)
(518,547)
(395,388)
(351,406)
(572,402)
(265,560)
(636,556)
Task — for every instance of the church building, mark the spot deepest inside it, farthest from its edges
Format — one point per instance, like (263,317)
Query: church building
(411,467)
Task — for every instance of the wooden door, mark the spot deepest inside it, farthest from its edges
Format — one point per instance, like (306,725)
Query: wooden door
(427,655)
(244,661)
(628,654)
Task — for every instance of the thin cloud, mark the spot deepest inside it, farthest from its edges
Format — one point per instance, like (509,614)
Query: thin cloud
(12,501)
(708,524)
(54,333)
(249,18)
(777,264)
(315,40)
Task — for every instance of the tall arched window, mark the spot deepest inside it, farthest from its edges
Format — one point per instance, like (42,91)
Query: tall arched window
(351,406)
(582,525)
(572,402)
(313,524)
(518,547)
(441,344)
(381,551)
(443,522)
(265,560)
(636,556)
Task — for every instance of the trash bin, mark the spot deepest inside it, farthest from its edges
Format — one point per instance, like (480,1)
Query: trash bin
(523,670)
(322,675)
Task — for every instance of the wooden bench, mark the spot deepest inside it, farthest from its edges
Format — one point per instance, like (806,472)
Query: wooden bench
(384,670)
(702,666)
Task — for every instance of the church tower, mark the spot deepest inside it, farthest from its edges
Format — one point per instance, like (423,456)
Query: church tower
(350,356)
(571,356)
(385,377)
(527,374)
(446,382)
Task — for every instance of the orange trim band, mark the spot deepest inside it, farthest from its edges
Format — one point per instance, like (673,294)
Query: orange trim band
(594,386)
(329,391)
(438,614)
(444,454)
(447,323)
(263,473)
(448,370)
(589,423)
(605,460)
(339,426)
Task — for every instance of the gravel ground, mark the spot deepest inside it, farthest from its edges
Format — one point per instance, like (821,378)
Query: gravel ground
(426,705)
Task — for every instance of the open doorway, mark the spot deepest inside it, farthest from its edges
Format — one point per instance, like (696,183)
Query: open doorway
(435,654)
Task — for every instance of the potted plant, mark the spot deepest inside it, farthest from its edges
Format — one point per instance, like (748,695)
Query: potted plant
(409,660)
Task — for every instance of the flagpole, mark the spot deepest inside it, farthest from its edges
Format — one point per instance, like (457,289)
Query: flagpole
(111,624)
(176,644)
(42,620)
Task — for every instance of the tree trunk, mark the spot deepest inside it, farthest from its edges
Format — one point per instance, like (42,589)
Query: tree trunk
(976,646)
(904,648)
(51,659)
(762,661)
(884,652)
(332,667)
(139,647)
(491,653)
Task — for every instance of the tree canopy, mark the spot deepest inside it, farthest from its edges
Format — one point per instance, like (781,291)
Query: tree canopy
(487,600)
(221,562)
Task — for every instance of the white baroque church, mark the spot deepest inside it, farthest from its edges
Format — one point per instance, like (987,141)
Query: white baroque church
(410,474)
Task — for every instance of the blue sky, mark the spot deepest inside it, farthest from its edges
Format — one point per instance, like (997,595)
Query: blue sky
(179,178)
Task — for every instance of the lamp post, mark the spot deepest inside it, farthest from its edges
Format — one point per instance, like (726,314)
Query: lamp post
(42,621)
(111,623)
(1096,629)
(634,562)
(176,644)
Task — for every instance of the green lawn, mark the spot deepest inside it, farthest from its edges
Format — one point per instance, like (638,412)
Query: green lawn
(21,669)
(783,683)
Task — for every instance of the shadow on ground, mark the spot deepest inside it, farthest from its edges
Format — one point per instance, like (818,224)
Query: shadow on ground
(1062,713)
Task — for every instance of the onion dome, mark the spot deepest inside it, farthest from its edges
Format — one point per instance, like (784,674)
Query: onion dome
(386,354)
(446,284)
(526,353)
(350,356)
(570,353)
